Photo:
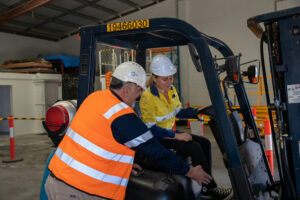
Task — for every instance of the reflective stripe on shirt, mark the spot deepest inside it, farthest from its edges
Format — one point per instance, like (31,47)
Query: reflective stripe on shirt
(139,140)
(90,171)
(98,150)
(116,108)
(150,124)
(170,115)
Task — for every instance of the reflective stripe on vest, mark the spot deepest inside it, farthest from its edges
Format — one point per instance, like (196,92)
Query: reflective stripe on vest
(170,115)
(90,171)
(114,110)
(98,150)
(89,158)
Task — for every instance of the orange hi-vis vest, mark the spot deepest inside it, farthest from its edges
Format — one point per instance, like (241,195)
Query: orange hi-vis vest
(89,158)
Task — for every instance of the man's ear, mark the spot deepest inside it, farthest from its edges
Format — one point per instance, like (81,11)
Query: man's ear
(126,91)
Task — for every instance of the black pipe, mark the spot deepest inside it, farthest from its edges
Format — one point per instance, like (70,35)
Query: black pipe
(263,38)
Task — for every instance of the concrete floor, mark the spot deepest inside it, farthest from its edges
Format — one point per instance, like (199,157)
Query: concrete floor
(22,180)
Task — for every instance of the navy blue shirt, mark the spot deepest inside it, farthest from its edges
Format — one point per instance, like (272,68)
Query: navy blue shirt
(129,126)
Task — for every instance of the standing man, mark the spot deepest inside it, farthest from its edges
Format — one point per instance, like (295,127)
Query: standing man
(95,158)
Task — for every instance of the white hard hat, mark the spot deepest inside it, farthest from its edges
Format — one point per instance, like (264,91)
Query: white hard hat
(131,72)
(161,65)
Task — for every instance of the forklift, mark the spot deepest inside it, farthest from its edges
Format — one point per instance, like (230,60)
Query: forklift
(244,156)
(248,180)
(281,35)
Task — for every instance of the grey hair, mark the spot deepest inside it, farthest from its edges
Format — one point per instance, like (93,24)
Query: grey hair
(117,84)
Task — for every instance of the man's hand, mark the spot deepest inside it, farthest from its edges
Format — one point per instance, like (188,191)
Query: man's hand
(183,137)
(136,169)
(199,175)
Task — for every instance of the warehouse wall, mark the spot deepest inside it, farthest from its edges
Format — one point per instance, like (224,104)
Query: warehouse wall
(225,20)
(19,47)
(71,45)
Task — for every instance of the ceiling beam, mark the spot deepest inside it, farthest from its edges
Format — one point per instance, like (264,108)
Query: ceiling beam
(55,35)
(73,12)
(66,12)
(22,9)
(49,20)
(95,5)
(46,18)
(130,3)
(56,20)
(14,30)
(27,26)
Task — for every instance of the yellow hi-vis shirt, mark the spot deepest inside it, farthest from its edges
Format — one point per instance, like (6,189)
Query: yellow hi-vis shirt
(156,110)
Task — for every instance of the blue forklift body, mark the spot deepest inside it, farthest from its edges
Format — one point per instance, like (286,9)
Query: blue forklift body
(282,35)
(165,32)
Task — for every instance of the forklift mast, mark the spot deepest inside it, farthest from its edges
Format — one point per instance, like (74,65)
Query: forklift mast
(282,36)
(141,35)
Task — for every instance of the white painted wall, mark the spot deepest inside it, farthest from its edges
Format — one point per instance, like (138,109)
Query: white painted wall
(70,46)
(15,47)
(225,20)
(279,4)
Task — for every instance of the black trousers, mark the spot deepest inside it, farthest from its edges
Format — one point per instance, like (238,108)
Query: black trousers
(199,149)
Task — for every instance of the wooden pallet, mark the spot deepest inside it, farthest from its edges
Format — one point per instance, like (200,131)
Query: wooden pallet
(28,70)
(27,65)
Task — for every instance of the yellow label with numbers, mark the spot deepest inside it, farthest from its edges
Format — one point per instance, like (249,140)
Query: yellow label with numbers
(124,26)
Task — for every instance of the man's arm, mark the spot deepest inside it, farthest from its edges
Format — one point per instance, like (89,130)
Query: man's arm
(129,129)
(161,132)
(132,132)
